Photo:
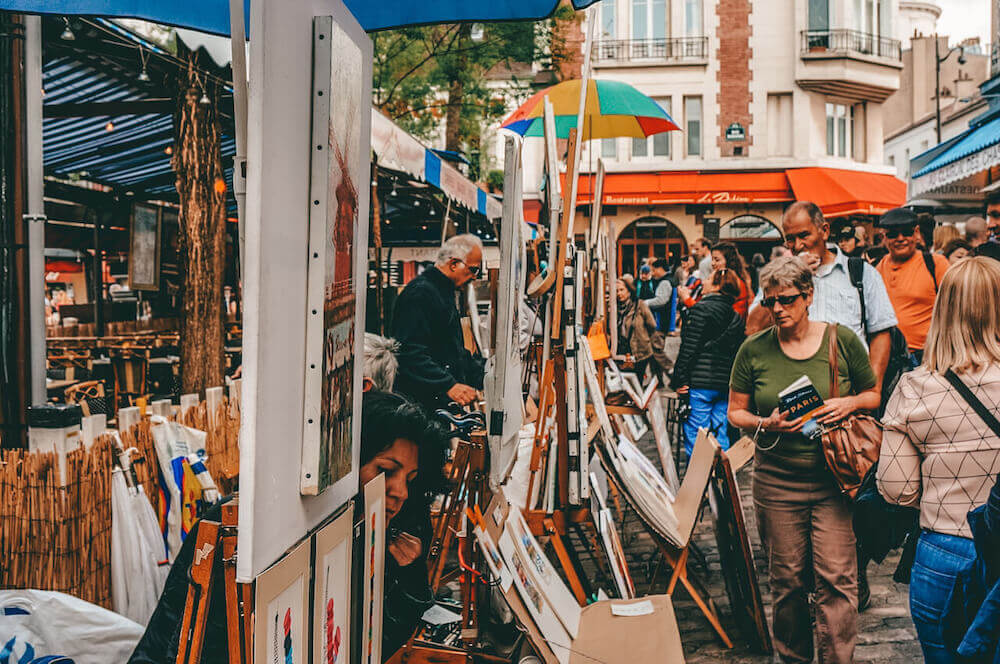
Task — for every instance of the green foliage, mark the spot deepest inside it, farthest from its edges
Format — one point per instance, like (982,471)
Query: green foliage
(421,73)
(494,180)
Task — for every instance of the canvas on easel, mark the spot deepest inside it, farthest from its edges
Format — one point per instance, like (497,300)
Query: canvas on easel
(332,590)
(374,576)
(281,625)
(336,237)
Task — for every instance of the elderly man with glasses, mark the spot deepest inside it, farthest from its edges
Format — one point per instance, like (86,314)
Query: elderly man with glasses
(911,277)
(434,366)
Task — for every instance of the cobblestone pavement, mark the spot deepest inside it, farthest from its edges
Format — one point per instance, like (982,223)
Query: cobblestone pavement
(885,632)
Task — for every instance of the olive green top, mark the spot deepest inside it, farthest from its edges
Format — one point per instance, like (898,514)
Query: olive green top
(762,370)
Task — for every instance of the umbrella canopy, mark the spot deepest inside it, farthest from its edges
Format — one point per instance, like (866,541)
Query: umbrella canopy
(213,15)
(613,109)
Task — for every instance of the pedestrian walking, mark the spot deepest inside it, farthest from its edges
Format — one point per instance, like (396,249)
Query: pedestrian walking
(911,277)
(434,366)
(938,451)
(636,326)
(663,305)
(804,520)
(702,253)
(710,337)
(646,286)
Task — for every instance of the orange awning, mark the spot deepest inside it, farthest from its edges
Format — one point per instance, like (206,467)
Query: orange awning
(839,193)
(689,187)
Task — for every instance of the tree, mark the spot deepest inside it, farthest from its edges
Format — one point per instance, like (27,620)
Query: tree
(201,189)
(425,74)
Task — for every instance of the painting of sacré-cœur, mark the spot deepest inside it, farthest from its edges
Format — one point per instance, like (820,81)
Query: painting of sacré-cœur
(346,175)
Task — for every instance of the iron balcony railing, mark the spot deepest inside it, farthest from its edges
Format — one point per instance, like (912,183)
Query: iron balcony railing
(664,50)
(850,41)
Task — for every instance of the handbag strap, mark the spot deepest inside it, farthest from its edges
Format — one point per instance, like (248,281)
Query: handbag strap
(973,401)
(834,383)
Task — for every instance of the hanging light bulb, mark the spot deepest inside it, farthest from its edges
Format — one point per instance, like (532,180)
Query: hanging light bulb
(67,33)
(168,150)
(204,101)
(110,126)
(143,75)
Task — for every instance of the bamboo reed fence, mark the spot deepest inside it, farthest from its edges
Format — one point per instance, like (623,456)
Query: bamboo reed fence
(55,537)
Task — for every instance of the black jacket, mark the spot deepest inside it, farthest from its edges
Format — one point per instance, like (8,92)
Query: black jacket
(432,354)
(710,337)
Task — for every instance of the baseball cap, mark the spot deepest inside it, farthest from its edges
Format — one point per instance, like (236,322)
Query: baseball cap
(645,269)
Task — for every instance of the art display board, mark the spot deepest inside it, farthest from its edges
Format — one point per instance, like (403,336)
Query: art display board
(658,423)
(144,248)
(332,590)
(504,402)
(374,577)
(273,514)
(281,602)
(735,550)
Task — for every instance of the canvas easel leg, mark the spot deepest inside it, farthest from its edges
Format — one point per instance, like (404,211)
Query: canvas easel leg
(678,562)
(565,561)
(239,601)
(199,596)
(450,511)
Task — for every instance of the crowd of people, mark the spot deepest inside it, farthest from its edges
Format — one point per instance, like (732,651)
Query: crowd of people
(906,327)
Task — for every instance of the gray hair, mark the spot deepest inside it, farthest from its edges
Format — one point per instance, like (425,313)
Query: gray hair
(380,361)
(458,247)
(779,250)
(809,208)
(786,272)
(974,226)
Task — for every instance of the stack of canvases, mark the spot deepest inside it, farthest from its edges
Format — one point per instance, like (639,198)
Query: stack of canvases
(56,536)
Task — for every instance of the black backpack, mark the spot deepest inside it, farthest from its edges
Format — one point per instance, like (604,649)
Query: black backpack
(899,352)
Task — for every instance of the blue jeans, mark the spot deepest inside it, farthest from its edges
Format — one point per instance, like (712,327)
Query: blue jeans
(708,410)
(938,561)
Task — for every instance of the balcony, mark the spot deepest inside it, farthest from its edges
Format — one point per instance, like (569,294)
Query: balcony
(635,52)
(849,64)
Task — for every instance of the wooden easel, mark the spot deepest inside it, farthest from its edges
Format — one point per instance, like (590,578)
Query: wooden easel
(239,599)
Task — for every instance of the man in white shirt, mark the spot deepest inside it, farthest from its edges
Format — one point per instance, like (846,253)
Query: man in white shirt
(702,252)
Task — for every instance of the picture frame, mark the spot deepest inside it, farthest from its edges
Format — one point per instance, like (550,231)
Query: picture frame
(281,600)
(333,547)
(374,577)
(144,247)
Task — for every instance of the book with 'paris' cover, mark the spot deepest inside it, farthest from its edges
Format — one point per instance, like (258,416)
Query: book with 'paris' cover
(802,399)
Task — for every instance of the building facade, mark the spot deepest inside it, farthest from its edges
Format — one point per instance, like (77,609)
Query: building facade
(777,101)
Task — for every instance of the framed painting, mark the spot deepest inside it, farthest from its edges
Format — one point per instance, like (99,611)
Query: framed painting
(374,578)
(332,590)
(337,256)
(281,625)
(144,248)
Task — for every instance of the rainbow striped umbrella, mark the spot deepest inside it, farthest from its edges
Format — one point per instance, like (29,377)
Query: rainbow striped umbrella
(613,109)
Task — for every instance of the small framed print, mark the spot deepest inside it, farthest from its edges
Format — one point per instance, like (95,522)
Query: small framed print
(281,625)
(144,248)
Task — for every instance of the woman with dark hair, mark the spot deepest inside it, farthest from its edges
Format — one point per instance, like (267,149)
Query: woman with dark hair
(399,441)
(636,326)
(725,255)
(710,337)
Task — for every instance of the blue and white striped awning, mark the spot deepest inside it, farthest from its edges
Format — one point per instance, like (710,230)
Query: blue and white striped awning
(973,151)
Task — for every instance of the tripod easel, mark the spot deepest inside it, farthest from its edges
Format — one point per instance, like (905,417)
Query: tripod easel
(213,535)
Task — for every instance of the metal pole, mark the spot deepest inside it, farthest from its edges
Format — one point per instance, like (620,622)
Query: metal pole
(238,42)
(937,88)
(35,213)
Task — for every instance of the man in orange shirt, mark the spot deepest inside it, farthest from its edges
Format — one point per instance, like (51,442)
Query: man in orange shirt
(911,277)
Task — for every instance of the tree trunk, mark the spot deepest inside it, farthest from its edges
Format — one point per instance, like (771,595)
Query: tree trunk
(197,163)
(456,91)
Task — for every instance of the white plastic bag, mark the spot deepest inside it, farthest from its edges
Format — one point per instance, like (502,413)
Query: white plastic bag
(41,623)
(138,566)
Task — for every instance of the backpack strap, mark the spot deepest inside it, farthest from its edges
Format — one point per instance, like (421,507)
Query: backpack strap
(856,270)
(932,268)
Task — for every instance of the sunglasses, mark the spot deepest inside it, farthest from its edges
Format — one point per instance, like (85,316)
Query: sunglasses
(895,231)
(784,300)
(993,214)
(474,269)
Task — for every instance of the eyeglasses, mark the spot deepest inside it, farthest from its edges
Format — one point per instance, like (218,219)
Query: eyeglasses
(993,214)
(474,269)
(784,300)
(895,231)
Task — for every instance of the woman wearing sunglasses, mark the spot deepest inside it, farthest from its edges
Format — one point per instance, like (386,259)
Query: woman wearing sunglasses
(803,519)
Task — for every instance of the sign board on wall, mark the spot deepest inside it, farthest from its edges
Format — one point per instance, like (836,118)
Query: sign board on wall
(711,229)
(736,132)
(279,351)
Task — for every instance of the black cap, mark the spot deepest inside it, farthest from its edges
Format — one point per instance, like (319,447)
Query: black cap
(898,217)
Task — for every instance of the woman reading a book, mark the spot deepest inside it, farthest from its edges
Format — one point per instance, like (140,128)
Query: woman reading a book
(804,521)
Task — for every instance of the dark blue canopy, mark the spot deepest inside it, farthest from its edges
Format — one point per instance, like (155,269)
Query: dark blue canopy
(213,15)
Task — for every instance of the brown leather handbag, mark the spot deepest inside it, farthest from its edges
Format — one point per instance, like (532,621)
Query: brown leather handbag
(851,447)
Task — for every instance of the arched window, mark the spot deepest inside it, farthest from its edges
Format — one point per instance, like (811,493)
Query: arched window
(749,227)
(649,237)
